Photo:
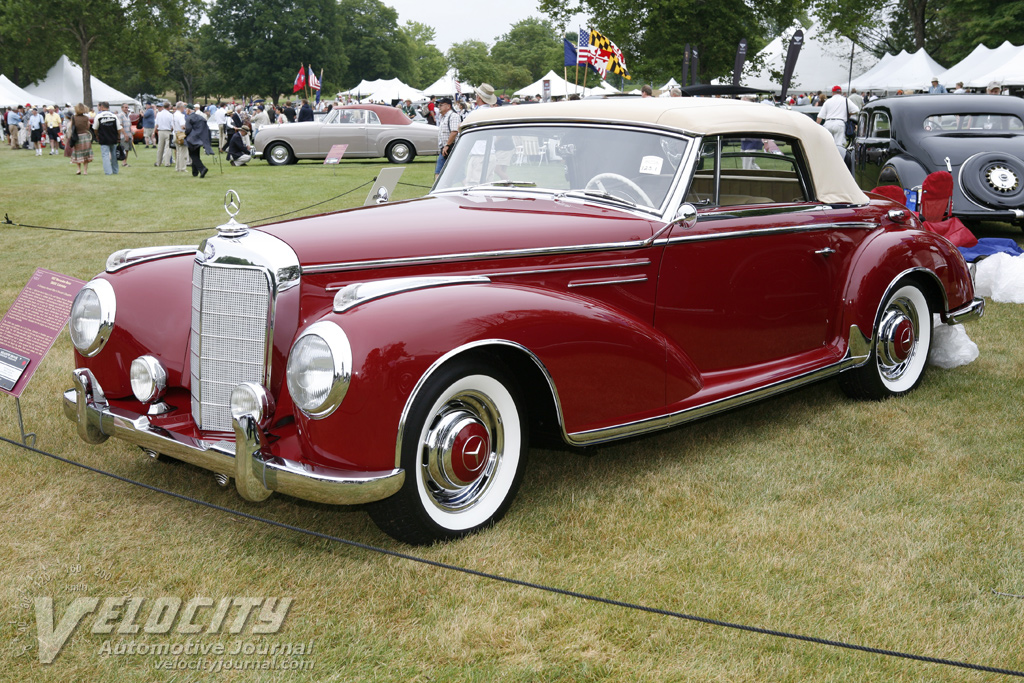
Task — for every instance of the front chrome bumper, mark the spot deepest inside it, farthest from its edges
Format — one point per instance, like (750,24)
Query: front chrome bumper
(256,476)
(971,311)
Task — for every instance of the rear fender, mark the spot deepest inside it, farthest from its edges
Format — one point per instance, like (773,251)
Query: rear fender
(602,365)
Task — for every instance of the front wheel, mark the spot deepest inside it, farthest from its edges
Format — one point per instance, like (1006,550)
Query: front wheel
(464,449)
(399,152)
(903,336)
(278,154)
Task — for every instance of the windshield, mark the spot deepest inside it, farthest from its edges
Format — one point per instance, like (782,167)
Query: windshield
(983,124)
(620,166)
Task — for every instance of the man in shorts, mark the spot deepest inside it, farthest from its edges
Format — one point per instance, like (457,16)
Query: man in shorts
(52,120)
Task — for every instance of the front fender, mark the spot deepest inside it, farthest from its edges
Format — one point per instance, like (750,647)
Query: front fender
(605,365)
(889,255)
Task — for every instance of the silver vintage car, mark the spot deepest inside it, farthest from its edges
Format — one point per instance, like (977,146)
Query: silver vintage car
(369,130)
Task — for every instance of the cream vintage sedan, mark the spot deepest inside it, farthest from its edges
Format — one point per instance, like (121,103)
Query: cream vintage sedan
(369,130)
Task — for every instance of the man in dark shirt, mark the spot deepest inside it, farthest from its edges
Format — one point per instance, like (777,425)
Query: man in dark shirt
(239,153)
(289,112)
(305,112)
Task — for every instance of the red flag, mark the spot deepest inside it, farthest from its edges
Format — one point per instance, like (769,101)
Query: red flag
(300,80)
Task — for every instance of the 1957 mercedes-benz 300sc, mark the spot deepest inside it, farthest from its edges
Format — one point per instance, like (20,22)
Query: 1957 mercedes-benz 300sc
(595,270)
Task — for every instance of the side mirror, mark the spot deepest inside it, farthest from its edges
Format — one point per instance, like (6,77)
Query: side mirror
(686,215)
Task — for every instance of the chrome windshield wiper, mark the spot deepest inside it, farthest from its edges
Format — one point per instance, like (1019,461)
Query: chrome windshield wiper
(503,183)
(600,195)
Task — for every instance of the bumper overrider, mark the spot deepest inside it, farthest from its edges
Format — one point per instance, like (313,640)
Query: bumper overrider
(256,475)
(972,311)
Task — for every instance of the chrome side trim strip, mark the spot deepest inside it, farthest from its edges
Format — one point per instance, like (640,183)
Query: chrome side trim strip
(355,294)
(536,271)
(865,225)
(858,351)
(129,257)
(595,283)
(471,256)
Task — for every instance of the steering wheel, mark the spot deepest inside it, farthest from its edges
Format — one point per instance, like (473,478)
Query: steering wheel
(596,184)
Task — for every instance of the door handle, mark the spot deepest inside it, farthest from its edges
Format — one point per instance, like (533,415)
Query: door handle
(826,252)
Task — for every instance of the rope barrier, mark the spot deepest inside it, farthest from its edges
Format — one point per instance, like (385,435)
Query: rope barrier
(7,220)
(527,584)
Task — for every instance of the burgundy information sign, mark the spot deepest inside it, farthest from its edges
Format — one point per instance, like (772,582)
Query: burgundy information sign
(334,156)
(29,328)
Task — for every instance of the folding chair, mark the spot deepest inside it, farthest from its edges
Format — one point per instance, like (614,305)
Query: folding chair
(936,198)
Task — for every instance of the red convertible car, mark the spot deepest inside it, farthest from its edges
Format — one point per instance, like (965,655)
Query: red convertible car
(585,270)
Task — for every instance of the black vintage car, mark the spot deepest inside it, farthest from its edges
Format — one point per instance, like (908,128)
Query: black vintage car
(977,138)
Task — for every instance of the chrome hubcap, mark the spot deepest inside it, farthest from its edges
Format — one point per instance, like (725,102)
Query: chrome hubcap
(400,152)
(897,338)
(462,450)
(1002,179)
(279,154)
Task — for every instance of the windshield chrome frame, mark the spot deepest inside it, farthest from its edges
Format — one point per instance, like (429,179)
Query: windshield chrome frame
(668,205)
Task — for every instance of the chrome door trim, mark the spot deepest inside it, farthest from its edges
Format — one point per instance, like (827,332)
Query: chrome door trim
(857,225)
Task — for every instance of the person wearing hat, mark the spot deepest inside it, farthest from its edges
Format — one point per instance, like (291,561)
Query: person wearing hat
(447,129)
(994,88)
(937,88)
(833,115)
(197,136)
(485,96)
(239,153)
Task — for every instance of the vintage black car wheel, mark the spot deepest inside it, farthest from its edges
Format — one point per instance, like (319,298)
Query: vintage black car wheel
(994,179)
(464,450)
(278,154)
(903,336)
(399,152)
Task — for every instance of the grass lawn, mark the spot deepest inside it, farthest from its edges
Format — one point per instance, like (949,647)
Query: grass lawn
(883,524)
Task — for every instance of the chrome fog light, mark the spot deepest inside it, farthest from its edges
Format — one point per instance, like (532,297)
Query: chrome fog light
(249,398)
(319,369)
(92,317)
(149,379)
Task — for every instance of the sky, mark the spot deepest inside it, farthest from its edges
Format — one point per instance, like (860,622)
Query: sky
(457,20)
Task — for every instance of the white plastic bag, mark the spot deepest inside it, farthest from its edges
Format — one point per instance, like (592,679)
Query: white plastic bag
(1000,277)
(951,347)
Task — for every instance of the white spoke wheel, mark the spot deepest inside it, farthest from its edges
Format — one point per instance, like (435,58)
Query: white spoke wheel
(463,450)
(903,336)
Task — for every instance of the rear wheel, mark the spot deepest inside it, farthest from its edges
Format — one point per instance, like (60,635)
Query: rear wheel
(278,154)
(903,336)
(463,450)
(400,152)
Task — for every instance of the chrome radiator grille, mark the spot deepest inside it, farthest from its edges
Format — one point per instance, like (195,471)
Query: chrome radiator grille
(230,310)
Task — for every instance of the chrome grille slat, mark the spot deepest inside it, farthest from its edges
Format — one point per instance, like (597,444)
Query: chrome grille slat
(230,311)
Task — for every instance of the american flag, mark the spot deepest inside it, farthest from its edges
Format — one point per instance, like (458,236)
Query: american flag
(458,87)
(584,53)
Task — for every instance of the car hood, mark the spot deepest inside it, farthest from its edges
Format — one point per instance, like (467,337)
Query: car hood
(458,226)
(960,148)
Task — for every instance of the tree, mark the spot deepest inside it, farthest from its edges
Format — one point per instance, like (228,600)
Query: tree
(652,33)
(118,31)
(428,63)
(25,53)
(534,46)
(260,47)
(471,59)
(376,47)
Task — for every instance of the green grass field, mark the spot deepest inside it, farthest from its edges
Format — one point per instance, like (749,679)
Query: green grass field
(884,524)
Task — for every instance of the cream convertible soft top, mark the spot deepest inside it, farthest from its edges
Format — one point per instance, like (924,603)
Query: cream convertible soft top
(833,183)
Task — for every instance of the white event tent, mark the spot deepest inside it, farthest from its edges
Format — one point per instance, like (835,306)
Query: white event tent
(906,71)
(11,95)
(563,88)
(824,61)
(446,86)
(975,70)
(1010,71)
(365,87)
(63,85)
(390,90)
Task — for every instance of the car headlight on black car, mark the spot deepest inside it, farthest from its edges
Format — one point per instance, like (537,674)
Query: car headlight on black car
(319,369)
(92,317)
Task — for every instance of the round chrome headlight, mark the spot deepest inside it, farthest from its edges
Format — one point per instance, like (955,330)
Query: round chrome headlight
(92,317)
(319,369)
(149,379)
(249,398)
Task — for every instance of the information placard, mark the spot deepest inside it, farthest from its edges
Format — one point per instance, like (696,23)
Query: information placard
(31,325)
(334,156)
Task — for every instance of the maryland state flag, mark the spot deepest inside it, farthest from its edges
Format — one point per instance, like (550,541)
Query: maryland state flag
(605,56)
